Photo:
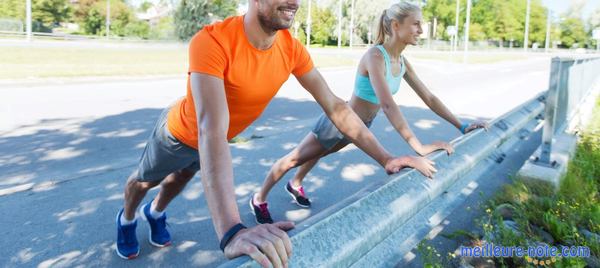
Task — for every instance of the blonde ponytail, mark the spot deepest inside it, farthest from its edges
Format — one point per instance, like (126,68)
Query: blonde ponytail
(397,12)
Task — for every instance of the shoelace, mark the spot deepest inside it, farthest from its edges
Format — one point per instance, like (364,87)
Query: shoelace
(127,237)
(264,211)
(162,223)
(301,190)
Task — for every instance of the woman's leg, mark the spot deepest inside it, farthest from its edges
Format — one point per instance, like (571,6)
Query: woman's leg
(307,150)
(303,171)
(308,165)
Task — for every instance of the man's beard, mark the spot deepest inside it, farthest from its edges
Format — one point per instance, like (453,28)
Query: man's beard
(272,23)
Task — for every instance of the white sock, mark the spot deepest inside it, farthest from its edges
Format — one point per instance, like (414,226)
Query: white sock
(256,201)
(155,213)
(295,187)
(125,221)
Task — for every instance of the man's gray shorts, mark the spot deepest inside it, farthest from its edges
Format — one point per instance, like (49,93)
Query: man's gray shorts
(164,154)
(328,135)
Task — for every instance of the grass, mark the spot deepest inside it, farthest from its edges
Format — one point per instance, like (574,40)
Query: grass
(563,214)
(37,62)
(22,62)
(541,213)
(47,62)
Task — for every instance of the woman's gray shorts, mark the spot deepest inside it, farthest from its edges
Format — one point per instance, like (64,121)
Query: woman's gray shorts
(328,135)
(164,154)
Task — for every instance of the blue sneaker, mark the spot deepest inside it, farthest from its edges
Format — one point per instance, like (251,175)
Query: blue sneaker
(159,236)
(127,243)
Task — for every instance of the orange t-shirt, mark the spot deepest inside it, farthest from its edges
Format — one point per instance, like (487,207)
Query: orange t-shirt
(251,76)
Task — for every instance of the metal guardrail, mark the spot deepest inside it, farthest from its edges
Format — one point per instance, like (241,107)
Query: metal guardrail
(340,237)
(74,37)
(571,81)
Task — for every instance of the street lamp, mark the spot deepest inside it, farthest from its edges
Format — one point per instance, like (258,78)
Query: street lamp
(308,22)
(296,26)
(596,35)
(455,37)
(467,30)
(28,18)
(107,19)
(548,26)
(339,26)
(525,43)
(352,24)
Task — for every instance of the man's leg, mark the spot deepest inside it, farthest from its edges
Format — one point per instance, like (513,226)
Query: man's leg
(165,159)
(154,213)
(135,191)
(171,186)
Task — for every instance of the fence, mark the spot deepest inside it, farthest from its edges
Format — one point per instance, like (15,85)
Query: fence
(571,82)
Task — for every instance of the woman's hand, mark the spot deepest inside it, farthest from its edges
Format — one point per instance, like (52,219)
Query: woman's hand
(476,125)
(423,165)
(435,146)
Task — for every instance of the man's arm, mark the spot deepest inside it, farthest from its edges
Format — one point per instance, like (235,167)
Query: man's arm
(215,157)
(267,244)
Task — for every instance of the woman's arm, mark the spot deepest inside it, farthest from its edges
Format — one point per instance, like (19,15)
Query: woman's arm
(376,68)
(436,104)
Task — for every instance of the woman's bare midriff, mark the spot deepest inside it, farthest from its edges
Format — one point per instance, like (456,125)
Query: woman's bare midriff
(364,109)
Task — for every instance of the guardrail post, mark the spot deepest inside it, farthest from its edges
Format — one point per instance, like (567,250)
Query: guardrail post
(550,112)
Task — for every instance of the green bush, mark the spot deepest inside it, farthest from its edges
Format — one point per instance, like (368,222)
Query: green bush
(192,15)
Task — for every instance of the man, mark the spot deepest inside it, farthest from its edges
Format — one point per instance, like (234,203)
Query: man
(236,67)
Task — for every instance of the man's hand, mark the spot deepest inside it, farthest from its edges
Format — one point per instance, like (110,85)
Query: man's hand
(436,145)
(422,164)
(267,244)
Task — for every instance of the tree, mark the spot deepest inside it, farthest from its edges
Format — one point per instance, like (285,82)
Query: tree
(82,9)
(537,22)
(490,19)
(366,18)
(593,23)
(164,29)
(476,32)
(324,23)
(192,15)
(122,21)
(572,32)
(145,6)
(300,17)
(14,9)
(45,13)
(137,28)
(93,22)
(51,12)
(594,20)
(445,13)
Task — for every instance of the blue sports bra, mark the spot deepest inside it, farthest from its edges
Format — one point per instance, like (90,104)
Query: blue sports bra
(363,88)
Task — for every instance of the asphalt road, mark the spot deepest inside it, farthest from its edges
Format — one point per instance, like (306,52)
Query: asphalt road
(66,150)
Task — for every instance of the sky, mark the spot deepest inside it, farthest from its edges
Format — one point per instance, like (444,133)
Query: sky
(557,6)
(560,6)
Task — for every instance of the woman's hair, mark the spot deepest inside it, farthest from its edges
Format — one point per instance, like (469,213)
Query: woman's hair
(399,12)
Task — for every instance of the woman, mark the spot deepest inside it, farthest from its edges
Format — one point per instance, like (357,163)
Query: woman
(379,74)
